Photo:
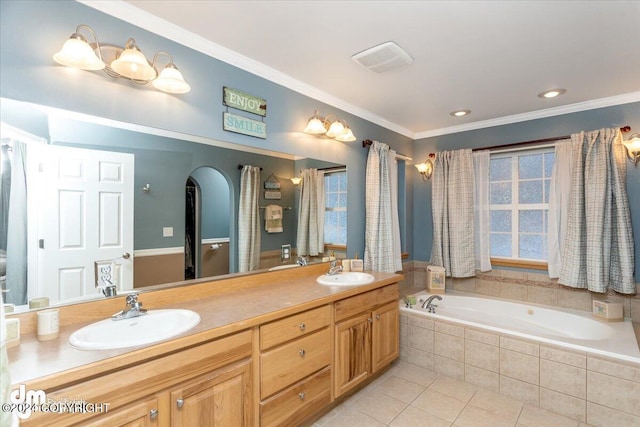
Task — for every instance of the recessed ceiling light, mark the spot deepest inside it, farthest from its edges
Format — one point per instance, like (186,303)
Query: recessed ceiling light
(460,113)
(552,93)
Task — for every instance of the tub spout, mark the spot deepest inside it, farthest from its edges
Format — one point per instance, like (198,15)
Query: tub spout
(429,305)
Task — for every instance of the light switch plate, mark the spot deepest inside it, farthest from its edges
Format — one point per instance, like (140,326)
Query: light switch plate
(167,231)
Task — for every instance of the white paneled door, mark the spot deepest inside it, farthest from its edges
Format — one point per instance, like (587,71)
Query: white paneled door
(85,215)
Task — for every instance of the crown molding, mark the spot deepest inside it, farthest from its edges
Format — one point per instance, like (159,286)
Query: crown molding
(626,98)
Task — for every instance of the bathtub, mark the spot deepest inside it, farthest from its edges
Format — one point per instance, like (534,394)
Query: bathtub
(577,330)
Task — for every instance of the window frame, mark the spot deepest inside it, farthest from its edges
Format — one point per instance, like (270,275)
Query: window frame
(515,208)
(332,171)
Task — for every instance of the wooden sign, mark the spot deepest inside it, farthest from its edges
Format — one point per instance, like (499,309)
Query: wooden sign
(242,101)
(243,125)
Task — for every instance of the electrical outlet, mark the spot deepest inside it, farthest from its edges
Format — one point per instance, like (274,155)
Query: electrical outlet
(285,253)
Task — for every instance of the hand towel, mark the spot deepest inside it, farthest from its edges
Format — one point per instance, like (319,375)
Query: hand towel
(273,219)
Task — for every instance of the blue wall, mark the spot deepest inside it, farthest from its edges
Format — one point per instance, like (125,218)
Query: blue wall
(616,116)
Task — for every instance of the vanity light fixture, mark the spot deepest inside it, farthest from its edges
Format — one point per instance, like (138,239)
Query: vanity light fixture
(460,113)
(115,61)
(425,169)
(548,94)
(633,147)
(330,126)
(296,180)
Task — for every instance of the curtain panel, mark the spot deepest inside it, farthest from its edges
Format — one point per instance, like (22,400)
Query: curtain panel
(597,253)
(311,207)
(249,220)
(452,206)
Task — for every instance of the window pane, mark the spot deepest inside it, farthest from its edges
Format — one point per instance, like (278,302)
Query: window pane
(331,183)
(530,221)
(530,166)
(530,246)
(501,193)
(530,192)
(549,158)
(331,200)
(547,186)
(500,169)
(501,245)
(501,221)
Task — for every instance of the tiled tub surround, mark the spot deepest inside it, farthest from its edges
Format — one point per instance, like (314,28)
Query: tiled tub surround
(587,387)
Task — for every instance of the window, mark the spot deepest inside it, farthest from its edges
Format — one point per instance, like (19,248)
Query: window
(335,215)
(519,204)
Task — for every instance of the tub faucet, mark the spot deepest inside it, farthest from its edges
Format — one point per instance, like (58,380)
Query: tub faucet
(334,269)
(302,260)
(429,305)
(134,309)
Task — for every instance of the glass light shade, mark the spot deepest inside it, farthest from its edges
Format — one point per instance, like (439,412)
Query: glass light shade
(132,64)
(335,129)
(170,80)
(315,126)
(346,135)
(633,147)
(77,53)
(425,169)
(296,180)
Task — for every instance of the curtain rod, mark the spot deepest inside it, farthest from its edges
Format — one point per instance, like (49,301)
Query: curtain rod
(532,142)
(241,166)
(368,142)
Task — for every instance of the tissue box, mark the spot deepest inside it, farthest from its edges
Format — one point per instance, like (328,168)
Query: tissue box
(609,311)
(435,279)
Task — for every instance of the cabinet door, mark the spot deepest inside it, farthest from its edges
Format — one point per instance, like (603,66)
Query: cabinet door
(141,414)
(352,352)
(219,399)
(385,339)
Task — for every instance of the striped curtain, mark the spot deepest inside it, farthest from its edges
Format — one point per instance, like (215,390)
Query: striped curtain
(249,220)
(598,248)
(310,237)
(452,205)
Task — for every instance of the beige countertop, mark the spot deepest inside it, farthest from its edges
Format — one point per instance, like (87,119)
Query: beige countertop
(44,365)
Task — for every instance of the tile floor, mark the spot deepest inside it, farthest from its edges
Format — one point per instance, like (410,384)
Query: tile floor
(408,395)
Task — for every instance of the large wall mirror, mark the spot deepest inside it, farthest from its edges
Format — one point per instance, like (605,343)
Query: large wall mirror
(178,207)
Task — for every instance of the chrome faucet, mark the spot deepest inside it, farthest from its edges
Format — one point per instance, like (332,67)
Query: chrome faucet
(334,269)
(302,260)
(429,305)
(134,309)
(109,291)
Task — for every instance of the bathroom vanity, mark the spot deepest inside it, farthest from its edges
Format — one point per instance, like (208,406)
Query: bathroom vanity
(275,348)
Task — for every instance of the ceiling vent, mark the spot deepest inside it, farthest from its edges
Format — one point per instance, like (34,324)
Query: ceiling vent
(384,57)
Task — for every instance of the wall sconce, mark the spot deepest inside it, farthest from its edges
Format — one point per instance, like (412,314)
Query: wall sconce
(296,180)
(127,62)
(633,147)
(330,126)
(426,168)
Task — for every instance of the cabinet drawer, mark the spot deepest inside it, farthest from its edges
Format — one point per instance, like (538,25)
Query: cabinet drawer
(298,402)
(364,302)
(291,362)
(295,326)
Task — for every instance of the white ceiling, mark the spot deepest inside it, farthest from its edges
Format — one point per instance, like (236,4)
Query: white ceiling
(491,57)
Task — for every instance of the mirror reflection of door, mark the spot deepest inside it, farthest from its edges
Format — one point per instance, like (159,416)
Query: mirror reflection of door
(207,224)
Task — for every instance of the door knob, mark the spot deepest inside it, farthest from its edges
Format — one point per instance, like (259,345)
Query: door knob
(126,255)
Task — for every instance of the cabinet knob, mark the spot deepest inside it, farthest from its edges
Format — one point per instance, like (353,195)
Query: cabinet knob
(370,320)
(377,317)
(302,326)
(153,414)
(180,403)
(302,353)
(301,396)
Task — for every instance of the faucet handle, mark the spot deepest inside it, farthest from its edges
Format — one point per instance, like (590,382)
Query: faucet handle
(132,299)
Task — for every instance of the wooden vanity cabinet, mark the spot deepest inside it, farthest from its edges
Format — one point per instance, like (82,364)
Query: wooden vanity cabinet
(295,367)
(366,336)
(213,379)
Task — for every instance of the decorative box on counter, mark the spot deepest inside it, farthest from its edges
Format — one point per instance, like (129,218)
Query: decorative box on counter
(609,311)
(435,279)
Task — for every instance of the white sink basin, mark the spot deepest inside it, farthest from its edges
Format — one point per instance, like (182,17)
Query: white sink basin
(347,278)
(156,325)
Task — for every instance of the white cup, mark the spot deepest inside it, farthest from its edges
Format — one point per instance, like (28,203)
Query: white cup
(48,324)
